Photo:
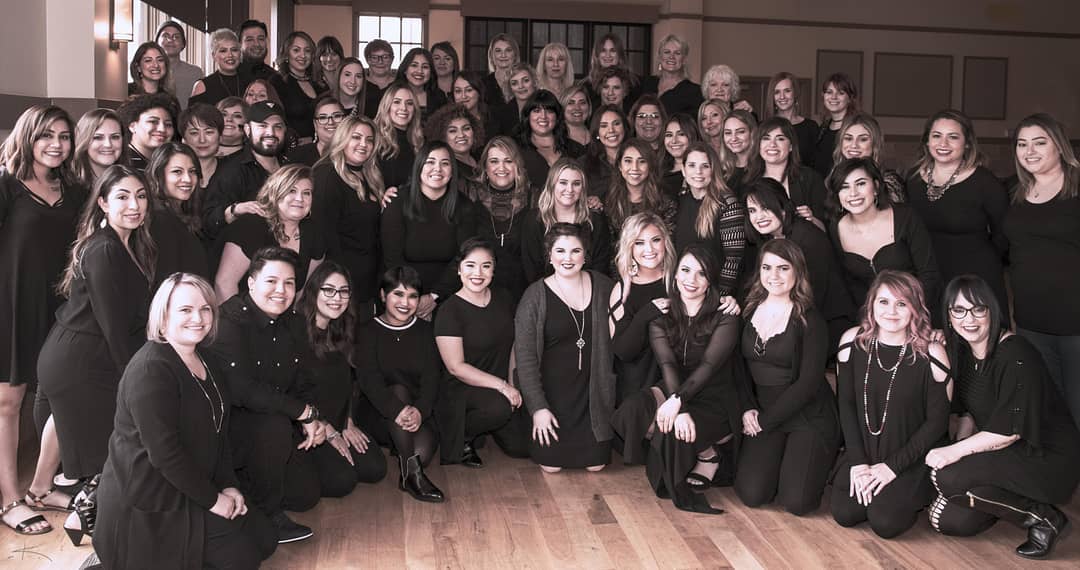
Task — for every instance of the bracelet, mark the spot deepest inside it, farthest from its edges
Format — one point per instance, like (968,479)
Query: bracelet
(332,436)
(232,209)
(312,415)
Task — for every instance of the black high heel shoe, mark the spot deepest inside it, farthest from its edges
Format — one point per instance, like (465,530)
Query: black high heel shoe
(85,513)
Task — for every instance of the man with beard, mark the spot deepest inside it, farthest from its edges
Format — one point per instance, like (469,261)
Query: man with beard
(253,43)
(232,191)
(183,75)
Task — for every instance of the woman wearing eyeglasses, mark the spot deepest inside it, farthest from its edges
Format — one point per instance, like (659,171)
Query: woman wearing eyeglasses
(328,115)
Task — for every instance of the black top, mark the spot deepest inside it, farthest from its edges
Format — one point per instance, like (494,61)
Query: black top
(672,183)
(397,170)
(506,237)
(237,179)
(110,299)
(136,159)
(685,97)
(1043,237)
(700,369)
(965,227)
(256,69)
(631,336)
(910,251)
(807,133)
(668,210)
(407,356)
(807,188)
(373,95)
(331,385)
(351,228)
(218,87)
(822,156)
(435,100)
(179,249)
(537,167)
(305,154)
(598,173)
(915,407)
(35,240)
(493,94)
(787,376)
(299,108)
(728,238)
(823,270)
(429,244)
(487,333)
(252,232)
(534,259)
(262,358)
(167,462)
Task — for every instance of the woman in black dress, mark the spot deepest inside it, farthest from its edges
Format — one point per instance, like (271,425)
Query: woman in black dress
(571,406)
(776,156)
(893,388)
(39,203)
(783,95)
(860,136)
(296,84)
(1017,449)
(788,413)
(170,464)
(872,234)
(693,343)
(397,136)
(475,335)
(543,136)
(636,188)
(645,259)
(608,129)
(425,227)
(285,198)
(107,284)
(680,132)
(99,143)
(710,214)
(563,200)
(502,199)
(961,202)
(418,72)
(839,98)
(349,457)
(227,80)
(174,174)
(770,215)
(348,189)
(1043,227)
(676,91)
(400,374)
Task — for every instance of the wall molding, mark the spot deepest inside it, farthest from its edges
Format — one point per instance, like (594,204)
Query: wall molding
(890,27)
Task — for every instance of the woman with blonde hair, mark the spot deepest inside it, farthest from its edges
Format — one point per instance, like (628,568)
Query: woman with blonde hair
(99,143)
(502,200)
(673,85)
(554,68)
(227,80)
(576,112)
(285,198)
(783,100)
(722,83)
(397,134)
(860,136)
(502,53)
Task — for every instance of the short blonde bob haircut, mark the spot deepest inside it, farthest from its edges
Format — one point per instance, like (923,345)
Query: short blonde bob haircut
(159,306)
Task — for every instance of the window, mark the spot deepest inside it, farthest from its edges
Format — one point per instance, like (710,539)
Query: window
(533,35)
(403,32)
(148,19)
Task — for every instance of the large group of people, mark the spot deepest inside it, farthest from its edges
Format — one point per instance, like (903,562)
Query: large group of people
(235,290)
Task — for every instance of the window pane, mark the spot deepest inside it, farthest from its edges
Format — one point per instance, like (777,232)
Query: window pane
(411,30)
(477,59)
(637,38)
(516,29)
(390,28)
(476,32)
(539,34)
(578,57)
(637,62)
(369,27)
(576,36)
(558,33)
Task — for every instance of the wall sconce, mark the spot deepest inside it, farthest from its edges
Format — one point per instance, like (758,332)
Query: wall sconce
(122,23)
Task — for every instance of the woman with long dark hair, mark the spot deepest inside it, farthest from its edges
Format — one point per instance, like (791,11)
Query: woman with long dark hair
(608,60)
(840,98)
(174,176)
(417,71)
(788,415)
(468,90)
(543,136)
(1016,449)
(445,65)
(149,69)
(680,132)
(783,101)
(608,129)
(297,84)
(893,388)
(776,156)
(329,56)
(636,188)
(352,87)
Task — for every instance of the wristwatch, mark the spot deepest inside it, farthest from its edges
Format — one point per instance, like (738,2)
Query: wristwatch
(312,416)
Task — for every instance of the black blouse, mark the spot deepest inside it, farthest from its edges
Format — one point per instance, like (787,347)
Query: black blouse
(685,97)
(252,232)
(179,249)
(331,385)
(1042,237)
(807,133)
(299,108)
(351,227)
(428,244)
(397,170)
(486,333)
(404,355)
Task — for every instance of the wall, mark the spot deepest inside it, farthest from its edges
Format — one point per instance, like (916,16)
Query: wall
(23,61)
(319,21)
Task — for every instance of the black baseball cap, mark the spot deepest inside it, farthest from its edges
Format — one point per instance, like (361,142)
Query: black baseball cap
(262,110)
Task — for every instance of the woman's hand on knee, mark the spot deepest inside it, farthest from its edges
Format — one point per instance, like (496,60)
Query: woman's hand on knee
(544,426)
(685,430)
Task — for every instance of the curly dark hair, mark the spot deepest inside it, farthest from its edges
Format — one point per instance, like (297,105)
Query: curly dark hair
(436,125)
(134,107)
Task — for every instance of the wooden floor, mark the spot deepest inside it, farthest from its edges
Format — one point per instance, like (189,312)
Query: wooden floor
(510,515)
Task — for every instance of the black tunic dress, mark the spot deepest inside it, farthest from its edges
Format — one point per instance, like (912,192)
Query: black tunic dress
(179,249)
(535,260)
(821,159)
(635,365)
(35,240)
(505,235)
(251,233)
(566,388)
(965,227)
(97,330)
(430,244)
(351,226)
(807,133)
(388,355)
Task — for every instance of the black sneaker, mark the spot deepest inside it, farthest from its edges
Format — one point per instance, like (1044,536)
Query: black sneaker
(288,530)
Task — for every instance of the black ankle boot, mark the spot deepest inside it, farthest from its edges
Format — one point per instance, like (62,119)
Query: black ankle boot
(416,483)
(470,458)
(1044,523)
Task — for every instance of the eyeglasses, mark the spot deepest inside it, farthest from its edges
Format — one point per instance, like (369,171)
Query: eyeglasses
(961,313)
(335,117)
(381,57)
(649,116)
(330,292)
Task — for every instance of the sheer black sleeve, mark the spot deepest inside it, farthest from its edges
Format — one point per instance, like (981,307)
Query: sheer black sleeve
(811,375)
(849,411)
(717,352)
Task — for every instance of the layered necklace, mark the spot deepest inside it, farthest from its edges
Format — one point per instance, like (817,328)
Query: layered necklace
(933,191)
(579,328)
(871,356)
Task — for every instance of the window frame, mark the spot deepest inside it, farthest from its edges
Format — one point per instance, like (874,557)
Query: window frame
(399,50)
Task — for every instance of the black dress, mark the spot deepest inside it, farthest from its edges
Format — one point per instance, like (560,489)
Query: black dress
(351,226)
(635,365)
(566,387)
(428,244)
(965,227)
(306,154)
(252,232)
(685,97)
(535,260)
(503,228)
(910,251)
(831,296)
(821,159)
(912,414)
(35,240)
(537,166)
(397,170)
(373,95)
(299,108)
(217,87)
(728,238)
(97,330)
(179,249)
(169,457)
(807,188)
(807,133)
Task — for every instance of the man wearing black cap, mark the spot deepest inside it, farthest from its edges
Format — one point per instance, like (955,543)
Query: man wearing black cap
(252,34)
(172,39)
(233,189)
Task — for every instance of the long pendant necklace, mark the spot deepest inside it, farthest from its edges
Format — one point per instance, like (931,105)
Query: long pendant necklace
(872,355)
(501,236)
(215,418)
(579,328)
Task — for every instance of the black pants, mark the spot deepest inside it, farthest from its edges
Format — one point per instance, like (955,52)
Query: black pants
(324,472)
(240,543)
(269,465)
(788,467)
(423,442)
(468,412)
(893,511)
